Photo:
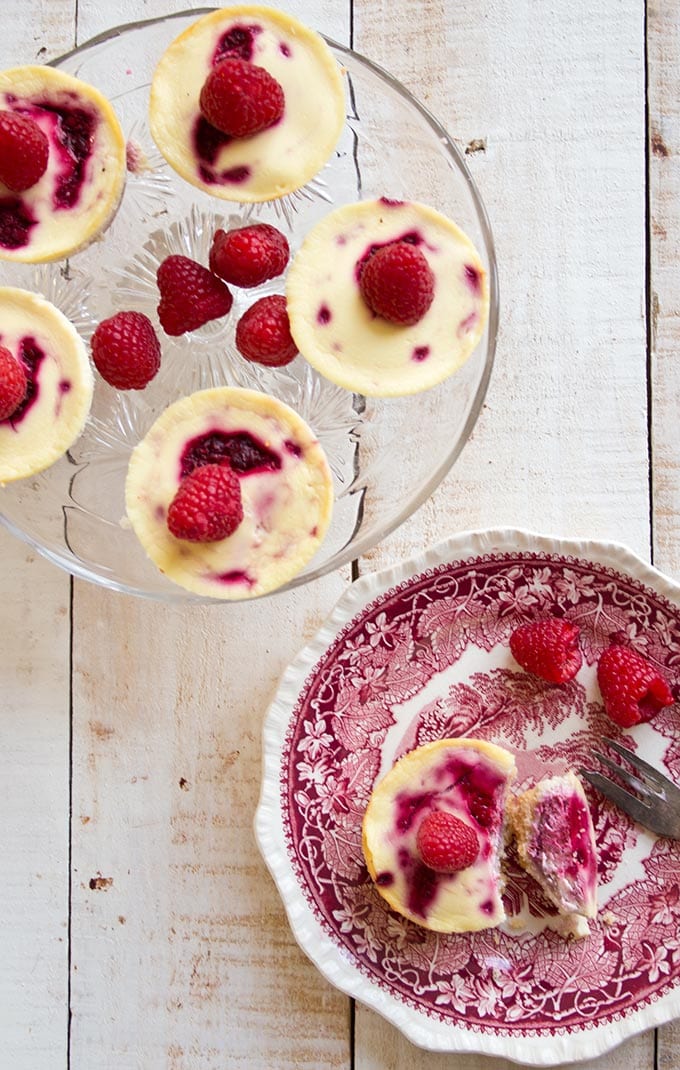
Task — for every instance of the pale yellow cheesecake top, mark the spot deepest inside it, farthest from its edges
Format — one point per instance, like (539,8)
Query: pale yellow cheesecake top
(344,340)
(60,384)
(285,484)
(277,160)
(79,192)
(468,778)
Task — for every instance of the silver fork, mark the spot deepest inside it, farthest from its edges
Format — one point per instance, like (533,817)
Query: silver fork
(657,804)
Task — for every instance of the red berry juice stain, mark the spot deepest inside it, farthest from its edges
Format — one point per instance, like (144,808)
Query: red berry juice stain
(408,806)
(235,175)
(385,879)
(390,202)
(63,388)
(32,357)
(420,353)
(467,324)
(15,223)
(473,279)
(293,448)
(323,316)
(159,513)
(235,576)
(486,907)
(244,452)
(559,814)
(237,43)
(422,883)
(135,159)
(74,133)
(208,141)
(284,49)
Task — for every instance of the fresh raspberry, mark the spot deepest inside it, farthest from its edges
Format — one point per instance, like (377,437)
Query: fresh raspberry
(397,283)
(126,350)
(445,843)
(207,506)
(250,255)
(190,295)
(633,690)
(12,383)
(263,333)
(24,150)
(240,98)
(548,648)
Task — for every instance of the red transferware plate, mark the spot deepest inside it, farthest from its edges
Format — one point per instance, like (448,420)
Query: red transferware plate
(420,652)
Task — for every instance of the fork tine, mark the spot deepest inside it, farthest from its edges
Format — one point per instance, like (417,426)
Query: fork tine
(660,817)
(654,776)
(630,804)
(623,774)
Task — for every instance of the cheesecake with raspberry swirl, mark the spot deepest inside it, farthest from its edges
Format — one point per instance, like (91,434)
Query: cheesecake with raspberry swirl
(433,834)
(273,161)
(286,491)
(553,830)
(59,384)
(76,196)
(422,315)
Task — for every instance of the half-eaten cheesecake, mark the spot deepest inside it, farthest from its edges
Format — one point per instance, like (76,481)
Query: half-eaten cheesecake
(553,829)
(462,782)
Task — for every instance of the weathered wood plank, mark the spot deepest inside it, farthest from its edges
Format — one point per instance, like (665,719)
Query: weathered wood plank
(664,159)
(182,956)
(34,723)
(34,749)
(94,17)
(35,31)
(548,102)
(663,55)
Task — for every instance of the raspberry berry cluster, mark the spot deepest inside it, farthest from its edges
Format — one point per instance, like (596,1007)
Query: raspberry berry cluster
(125,347)
(633,689)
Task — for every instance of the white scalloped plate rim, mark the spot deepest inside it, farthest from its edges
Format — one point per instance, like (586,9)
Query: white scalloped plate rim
(566,1047)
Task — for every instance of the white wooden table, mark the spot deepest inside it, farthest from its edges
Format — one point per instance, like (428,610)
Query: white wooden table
(141,930)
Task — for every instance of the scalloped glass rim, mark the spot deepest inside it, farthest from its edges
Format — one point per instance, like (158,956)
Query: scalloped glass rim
(361,544)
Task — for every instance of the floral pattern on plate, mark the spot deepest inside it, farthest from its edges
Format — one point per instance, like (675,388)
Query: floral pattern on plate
(429,658)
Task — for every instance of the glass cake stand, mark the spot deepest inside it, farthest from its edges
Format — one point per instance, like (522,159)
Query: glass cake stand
(386,455)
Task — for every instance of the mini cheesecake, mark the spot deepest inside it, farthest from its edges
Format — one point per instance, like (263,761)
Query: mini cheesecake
(553,829)
(78,194)
(468,778)
(274,161)
(285,483)
(344,340)
(59,384)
